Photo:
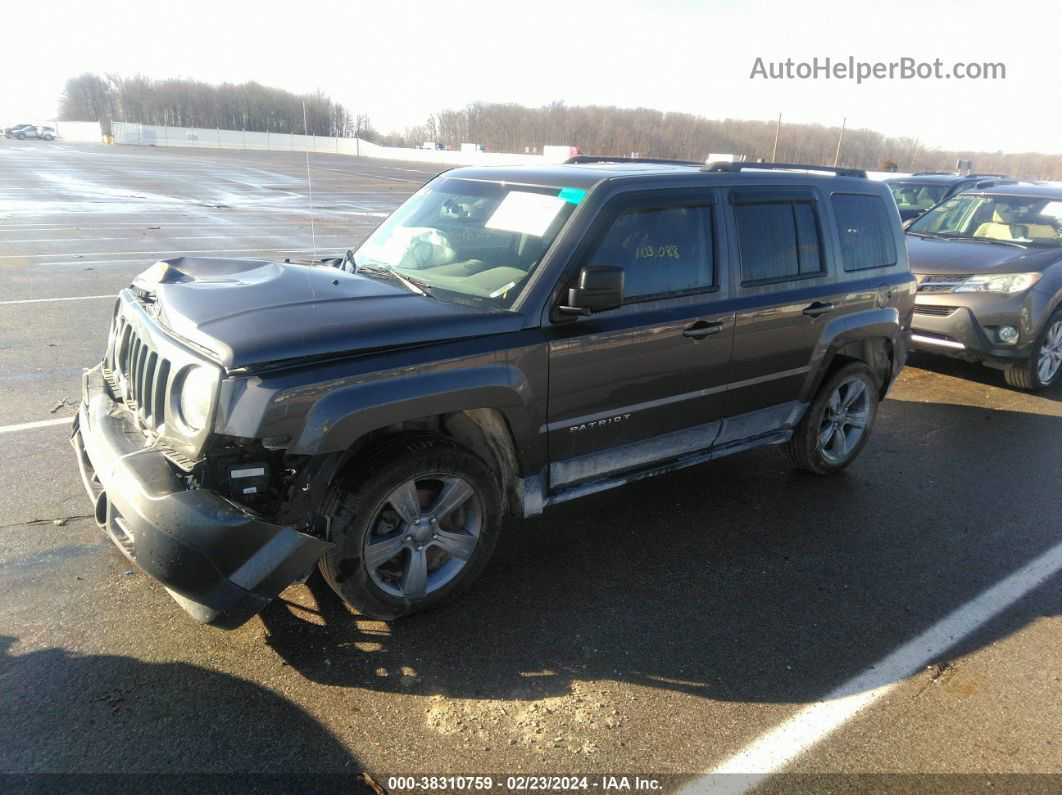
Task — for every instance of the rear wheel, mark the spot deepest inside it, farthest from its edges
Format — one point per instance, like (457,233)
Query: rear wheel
(837,424)
(1042,367)
(412,527)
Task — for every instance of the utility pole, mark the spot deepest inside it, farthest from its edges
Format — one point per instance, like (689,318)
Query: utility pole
(774,149)
(840,137)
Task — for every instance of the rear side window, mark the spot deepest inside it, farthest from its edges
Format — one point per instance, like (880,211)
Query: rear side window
(663,250)
(865,232)
(778,241)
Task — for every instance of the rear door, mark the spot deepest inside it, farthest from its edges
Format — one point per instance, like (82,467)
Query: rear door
(646,381)
(786,291)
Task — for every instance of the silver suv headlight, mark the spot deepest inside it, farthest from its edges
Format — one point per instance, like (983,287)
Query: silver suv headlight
(196,396)
(998,283)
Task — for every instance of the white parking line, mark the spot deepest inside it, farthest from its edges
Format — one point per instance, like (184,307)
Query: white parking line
(48,300)
(781,745)
(235,233)
(29,426)
(175,252)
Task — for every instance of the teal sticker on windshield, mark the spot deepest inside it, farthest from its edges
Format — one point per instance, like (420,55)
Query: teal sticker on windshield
(573,195)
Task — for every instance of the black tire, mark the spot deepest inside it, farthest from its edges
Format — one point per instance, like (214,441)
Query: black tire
(48,138)
(20,136)
(805,449)
(1026,375)
(359,503)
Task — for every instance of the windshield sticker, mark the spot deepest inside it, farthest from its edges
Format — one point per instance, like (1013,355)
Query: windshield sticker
(526,213)
(573,195)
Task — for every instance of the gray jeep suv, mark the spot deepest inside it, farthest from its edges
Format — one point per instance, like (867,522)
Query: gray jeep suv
(509,339)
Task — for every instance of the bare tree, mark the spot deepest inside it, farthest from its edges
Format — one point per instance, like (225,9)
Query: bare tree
(191,103)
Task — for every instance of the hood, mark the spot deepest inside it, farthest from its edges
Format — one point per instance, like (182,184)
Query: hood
(249,312)
(959,257)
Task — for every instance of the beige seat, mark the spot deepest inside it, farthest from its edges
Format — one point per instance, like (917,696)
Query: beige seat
(1035,231)
(995,231)
(999,228)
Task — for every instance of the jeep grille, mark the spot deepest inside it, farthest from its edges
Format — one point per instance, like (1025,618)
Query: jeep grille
(144,366)
(142,376)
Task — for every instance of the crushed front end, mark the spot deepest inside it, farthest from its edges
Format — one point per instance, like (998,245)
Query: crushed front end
(202,524)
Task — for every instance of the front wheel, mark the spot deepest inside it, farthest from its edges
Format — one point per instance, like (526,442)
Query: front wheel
(412,527)
(837,424)
(1042,367)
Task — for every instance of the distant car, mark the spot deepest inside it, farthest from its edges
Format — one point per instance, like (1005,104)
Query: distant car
(23,131)
(12,132)
(989,271)
(917,193)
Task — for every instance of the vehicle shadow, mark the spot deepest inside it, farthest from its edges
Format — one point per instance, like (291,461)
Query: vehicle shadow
(738,580)
(81,722)
(974,371)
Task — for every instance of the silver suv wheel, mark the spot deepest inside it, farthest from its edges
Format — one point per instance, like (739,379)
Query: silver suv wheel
(1050,360)
(423,535)
(845,420)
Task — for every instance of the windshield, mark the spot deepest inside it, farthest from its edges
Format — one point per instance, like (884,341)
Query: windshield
(1013,219)
(466,238)
(916,195)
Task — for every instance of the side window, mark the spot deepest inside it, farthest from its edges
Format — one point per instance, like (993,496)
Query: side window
(778,240)
(865,232)
(662,250)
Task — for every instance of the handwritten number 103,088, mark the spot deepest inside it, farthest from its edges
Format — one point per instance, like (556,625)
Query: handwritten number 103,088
(657,252)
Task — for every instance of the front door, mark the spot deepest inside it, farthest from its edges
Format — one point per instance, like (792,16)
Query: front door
(644,382)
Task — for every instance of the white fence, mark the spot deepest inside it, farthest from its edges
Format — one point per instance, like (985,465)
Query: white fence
(213,138)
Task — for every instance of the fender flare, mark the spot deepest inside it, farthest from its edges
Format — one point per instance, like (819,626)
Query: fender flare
(342,416)
(880,323)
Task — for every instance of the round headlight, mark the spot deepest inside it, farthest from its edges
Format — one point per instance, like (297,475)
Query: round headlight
(197,394)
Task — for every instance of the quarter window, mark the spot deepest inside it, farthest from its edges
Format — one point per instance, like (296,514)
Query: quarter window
(865,232)
(778,240)
(662,250)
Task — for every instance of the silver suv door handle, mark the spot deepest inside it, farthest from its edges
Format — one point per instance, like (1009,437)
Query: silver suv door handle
(702,329)
(817,308)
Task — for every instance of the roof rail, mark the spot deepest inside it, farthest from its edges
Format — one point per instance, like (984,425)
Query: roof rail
(579,159)
(993,182)
(724,165)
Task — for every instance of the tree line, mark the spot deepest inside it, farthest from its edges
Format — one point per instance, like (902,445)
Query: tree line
(608,130)
(181,102)
(508,127)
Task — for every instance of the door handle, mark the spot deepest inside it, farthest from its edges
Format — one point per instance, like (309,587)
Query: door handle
(702,329)
(817,308)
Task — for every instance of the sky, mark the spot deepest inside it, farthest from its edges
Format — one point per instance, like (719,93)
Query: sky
(399,61)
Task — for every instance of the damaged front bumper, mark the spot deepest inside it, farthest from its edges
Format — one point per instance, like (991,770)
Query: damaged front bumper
(217,559)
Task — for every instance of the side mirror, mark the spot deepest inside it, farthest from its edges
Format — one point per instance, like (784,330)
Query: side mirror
(600,288)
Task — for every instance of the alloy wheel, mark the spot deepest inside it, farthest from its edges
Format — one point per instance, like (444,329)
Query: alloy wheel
(423,535)
(845,420)
(1050,359)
